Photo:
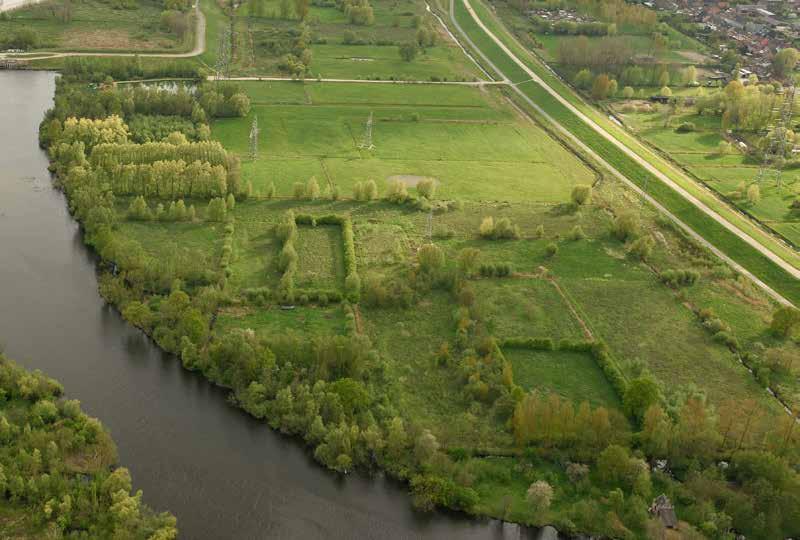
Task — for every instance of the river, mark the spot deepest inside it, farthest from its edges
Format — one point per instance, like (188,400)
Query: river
(221,472)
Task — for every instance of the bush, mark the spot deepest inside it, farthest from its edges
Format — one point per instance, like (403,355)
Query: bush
(486,230)
(678,278)
(503,269)
(686,127)
(408,51)
(626,225)
(581,194)
(503,229)
(430,258)
(551,250)
(577,233)
(217,210)
(642,248)
(426,188)
(397,192)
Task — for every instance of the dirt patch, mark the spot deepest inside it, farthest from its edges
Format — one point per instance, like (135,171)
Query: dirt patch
(107,39)
(235,311)
(411,180)
(693,56)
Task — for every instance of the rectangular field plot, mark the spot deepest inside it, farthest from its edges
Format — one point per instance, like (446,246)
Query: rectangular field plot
(160,239)
(320,257)
(641,322)
(475,146)
(571,375)
(273,320)
(525,308)
(254,263)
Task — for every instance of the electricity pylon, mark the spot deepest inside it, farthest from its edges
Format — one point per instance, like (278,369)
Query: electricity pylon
(222,67)
(367,142)
(775,152)
(254,138)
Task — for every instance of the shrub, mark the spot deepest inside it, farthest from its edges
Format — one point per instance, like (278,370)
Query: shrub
(486,229)
(397,192)
(577,233)
(426,188)
(217,210)
(581,194)
(430,258)
(370,190)
(626,225)
(686,127)
(539,233)
(642,247)
(503,229)
(408,51)
(551,249)
(352,287)
(230,202)
(677,278)
(138,210)
(312,189)
(784,320)
(299,190)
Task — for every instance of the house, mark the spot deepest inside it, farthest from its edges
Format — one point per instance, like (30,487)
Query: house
(663,509)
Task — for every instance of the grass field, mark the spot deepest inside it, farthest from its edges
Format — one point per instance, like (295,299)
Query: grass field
(574,376)
(97,26)
(315,130)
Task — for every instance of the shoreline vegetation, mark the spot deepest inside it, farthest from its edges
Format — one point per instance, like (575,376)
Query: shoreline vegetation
(58,468)
(394,358)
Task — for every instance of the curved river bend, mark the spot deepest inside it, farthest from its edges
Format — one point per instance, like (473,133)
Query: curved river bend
(223,474)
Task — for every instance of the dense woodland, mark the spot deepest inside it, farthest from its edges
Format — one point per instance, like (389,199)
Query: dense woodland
(58,474)
(330,390)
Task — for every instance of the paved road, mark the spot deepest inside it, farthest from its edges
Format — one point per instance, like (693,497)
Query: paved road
(199,42)
(688,196)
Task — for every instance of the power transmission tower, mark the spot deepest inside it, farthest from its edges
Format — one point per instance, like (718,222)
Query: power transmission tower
(254,138)
(775,152)
(222,67)
(367,142)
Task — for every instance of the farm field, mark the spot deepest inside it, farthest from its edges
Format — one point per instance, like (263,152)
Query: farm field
(93,25)
(315,129)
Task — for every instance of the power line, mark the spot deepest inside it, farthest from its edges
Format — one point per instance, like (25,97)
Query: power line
(778,142)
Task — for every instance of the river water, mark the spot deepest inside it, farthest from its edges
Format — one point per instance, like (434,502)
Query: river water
(222,473)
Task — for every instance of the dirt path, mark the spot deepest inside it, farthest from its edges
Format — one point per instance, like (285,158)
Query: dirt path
(587,333)
(199,45)
(688,196)
(362,81)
